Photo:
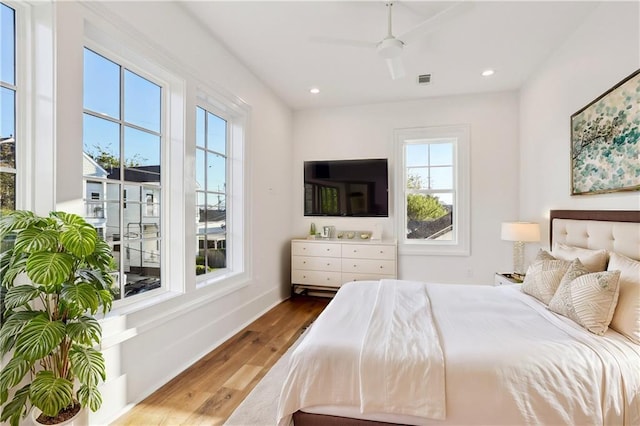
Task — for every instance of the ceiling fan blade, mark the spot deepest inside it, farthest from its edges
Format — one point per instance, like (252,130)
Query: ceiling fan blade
(396,67)
(432,24)
(342,42)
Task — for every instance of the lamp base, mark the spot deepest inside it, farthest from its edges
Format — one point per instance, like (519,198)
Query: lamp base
(518,258)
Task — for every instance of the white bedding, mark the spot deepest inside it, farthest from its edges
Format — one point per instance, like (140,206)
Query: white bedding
(508,360)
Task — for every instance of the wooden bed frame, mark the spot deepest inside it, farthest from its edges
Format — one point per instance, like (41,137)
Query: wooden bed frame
(301,418)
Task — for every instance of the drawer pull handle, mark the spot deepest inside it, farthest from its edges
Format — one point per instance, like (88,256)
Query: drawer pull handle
(355,251)
(381,267)
(304,276)
(328,264)
(328,279)
(304,262)
(355,266)
(381,251)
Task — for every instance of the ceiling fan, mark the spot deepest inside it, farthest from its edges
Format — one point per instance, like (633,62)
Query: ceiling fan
(390,48)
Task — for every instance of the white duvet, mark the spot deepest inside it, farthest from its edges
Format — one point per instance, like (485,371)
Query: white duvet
(458,354)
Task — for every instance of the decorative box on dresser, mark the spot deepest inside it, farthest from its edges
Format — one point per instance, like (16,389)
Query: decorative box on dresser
(328,263)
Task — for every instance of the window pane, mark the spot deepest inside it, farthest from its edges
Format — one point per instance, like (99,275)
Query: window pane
(216,134)
(142,267)
(101,142)
(7,191)
(200,168)
(418,178)
(7,128)
(200,127)
(7,45)
(112,222)
(101,84)
(216,172)
(141,102)
(441,154)
(416,155)
(441,177)
(141,156)
(151,203)
(427,217)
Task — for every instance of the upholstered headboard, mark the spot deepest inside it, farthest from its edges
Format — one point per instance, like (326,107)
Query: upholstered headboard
(613,230)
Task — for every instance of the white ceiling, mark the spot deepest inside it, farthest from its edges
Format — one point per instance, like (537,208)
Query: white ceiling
(276,41)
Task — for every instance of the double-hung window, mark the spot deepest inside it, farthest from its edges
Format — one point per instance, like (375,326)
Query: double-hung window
(433,190)
(122,158)
(8,91)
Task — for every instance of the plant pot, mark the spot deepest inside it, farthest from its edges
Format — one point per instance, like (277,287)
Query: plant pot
(80,419)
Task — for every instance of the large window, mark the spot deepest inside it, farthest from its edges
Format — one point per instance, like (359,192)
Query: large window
(122,144)
(433,190)
(211,192)
(8,92)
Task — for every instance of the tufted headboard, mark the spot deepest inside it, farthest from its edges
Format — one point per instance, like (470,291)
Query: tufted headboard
(614,230)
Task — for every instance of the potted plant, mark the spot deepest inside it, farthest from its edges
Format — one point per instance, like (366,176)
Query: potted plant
(48,325)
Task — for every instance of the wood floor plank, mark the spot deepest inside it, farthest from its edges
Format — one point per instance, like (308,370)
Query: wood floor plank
(206,393)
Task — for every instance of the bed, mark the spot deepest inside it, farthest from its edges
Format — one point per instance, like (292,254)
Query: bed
(417,353)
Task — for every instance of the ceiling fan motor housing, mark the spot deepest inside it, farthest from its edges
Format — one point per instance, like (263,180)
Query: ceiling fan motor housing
(390,48)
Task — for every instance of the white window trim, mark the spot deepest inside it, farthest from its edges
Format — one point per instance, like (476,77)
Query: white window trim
(462,214)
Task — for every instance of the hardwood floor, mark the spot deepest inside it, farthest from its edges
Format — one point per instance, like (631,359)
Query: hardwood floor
(210,390)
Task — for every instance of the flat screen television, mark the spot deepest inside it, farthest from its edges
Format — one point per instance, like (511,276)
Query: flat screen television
(358,188)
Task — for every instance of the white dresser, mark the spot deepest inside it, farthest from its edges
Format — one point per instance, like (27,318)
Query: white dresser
(327,264)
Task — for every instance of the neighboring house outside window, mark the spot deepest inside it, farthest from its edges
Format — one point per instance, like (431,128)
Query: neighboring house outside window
(122,144)
(433,190)
(8,92)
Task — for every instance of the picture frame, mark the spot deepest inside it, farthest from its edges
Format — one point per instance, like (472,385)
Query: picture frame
(605,141)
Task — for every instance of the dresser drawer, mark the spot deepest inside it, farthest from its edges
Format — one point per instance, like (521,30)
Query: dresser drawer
(300,248)
(316,263)
(369,251)
(368,266)
(319,278)
(347,277)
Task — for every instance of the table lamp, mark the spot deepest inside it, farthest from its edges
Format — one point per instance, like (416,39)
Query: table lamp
(520,233)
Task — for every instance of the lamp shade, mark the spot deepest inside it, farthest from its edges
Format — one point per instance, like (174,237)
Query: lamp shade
(520,231)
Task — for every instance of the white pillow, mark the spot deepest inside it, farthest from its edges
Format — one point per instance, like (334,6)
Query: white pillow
(626,318)
(588,298)
(593,260)
(543,278)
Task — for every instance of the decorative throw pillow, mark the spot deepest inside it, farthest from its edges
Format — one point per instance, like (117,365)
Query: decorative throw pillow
(543,278)
(626,317)
(594,260)
(543,255)
(588,298)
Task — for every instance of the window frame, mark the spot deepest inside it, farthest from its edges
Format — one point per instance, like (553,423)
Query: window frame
(236,115)
(112,47)
(460,137)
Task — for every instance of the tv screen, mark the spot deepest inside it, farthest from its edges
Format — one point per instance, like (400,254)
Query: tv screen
(346,188)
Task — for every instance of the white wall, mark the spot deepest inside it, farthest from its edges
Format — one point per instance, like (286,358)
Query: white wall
(600,53)
(146,348)
(366,132)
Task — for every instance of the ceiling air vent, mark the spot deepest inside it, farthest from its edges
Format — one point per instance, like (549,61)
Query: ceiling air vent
(424,79)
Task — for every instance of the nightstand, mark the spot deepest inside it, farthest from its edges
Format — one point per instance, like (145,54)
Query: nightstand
(506,278)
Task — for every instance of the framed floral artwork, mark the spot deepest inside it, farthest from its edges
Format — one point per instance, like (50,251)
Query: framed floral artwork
(605,141)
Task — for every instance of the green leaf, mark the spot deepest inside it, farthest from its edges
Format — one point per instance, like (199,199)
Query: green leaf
(33,240)
(106,296)
(85,330)
(19,219)
(87,364)
(12,327)
(89,396)
(12,269)
(49,268)
(83,295)
(13,373)
(51,394)
(20,295)
(78,237)
(17,407)
(39,337)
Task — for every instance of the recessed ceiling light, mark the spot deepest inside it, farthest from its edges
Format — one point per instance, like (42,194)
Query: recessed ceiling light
(487,72)
(314,90)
